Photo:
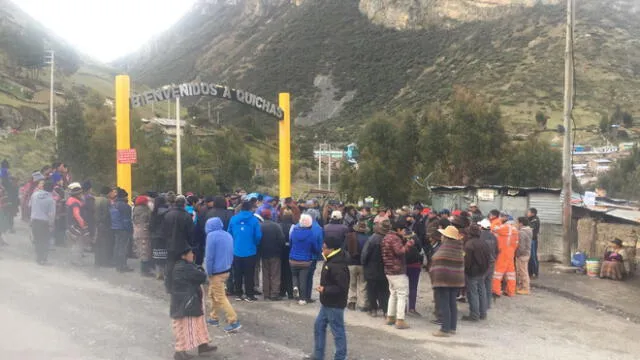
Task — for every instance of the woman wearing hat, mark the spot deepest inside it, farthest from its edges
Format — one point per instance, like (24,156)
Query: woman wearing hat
(187,307)
(615,266)
(447,277)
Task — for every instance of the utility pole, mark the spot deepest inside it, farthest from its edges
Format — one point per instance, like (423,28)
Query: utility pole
(319,166)
(178,150)
(329,176)
(567,145)
(50,60)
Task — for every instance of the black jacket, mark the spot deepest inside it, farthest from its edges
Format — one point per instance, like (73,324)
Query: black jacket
(177,228)
(372,258)
(488,237)
(335,280)
(477,258)
(186,290)
(273,240)
(534,223)
(224,215)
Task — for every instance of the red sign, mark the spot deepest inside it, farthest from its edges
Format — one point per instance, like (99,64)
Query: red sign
(127,156)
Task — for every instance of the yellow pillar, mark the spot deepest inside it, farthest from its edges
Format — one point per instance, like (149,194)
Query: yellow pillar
(123,132)
(284,101)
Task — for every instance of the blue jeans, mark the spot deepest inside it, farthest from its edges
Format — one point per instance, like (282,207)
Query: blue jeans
(534,264)
(488,284)
(477,297)
(448,307)
(334,317)
(312,270)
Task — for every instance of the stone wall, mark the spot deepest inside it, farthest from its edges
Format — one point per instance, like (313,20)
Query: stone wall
(595,236)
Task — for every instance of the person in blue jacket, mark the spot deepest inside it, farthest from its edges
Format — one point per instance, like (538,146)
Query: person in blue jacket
(245,229)
(304,249)
(218,262)
(318,236)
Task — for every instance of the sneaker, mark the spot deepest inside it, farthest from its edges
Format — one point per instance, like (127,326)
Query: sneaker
(440,334)
(310,301)
(250,299)
(240,298)
(233,327)
(296,292)
(302,302)
(414,313)
(436,321)
(469,318)
(213,322)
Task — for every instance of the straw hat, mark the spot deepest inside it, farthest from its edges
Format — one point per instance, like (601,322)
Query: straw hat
(450,232)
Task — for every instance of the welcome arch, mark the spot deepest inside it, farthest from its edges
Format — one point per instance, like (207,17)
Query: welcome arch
(125,102)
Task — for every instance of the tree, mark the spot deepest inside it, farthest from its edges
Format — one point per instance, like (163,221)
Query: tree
(381,173)
(541,120)
(627,120)
(477,137)
(532,163)
(605,125)
(73,142)
(623,179)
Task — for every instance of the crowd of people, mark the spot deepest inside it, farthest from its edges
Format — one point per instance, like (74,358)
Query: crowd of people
(372,258)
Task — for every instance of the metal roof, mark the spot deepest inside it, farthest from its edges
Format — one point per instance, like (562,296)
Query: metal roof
(629,215)
(494,187)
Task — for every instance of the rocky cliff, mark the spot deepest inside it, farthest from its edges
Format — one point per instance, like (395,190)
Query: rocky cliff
(344,60)
(418,14)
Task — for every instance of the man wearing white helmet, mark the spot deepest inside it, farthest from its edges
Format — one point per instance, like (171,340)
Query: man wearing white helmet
(487,236)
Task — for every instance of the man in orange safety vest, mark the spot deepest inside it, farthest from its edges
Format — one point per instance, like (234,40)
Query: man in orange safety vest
(508,236)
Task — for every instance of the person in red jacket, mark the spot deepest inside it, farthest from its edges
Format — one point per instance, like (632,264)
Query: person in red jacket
(77,228)
(395,268)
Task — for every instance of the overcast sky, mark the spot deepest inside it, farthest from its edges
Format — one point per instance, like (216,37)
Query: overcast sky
(106,29)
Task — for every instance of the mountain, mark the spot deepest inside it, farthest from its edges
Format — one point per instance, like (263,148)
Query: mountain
(24,78)
(344,60)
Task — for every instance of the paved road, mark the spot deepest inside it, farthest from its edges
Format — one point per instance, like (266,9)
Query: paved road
(63,312)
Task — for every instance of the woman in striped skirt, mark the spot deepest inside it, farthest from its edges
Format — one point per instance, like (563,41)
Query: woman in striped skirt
(187,308)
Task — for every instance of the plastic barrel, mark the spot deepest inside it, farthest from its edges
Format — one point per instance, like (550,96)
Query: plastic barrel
(593,267)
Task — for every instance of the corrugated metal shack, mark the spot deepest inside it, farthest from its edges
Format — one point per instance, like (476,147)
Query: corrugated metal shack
(515,201)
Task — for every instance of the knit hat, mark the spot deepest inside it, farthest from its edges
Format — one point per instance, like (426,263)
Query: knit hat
(37,176)
(266,214)
(450,232)
(384,226)
(336,215)
(361,227)
(142,200)
(333,242)
(400,223)
(306,221)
